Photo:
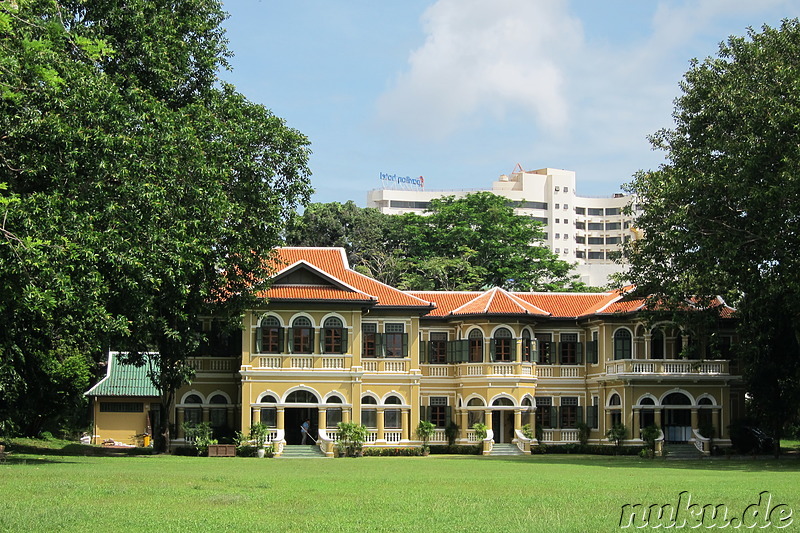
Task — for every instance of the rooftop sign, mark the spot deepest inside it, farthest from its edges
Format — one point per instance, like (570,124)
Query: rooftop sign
(393,181)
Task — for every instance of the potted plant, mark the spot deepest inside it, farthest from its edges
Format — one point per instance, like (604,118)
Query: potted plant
(481,430)
(425,431)
(258,436)
(350,439)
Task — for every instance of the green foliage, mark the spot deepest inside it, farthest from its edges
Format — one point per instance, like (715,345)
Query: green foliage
(527,431)
(199,435)
(425,430)
(617,434)
(714,218)
(468,243)
(451,432)
(457,449)
(140,190)
(413,451)
(481,430)
(583,433)
(258,435)
(350,438)
(649,436)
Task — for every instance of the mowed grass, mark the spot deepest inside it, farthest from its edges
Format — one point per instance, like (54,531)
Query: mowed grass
(419,494)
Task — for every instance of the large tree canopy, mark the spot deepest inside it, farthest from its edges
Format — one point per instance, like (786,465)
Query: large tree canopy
(467,243)
(138,186)
(721,216)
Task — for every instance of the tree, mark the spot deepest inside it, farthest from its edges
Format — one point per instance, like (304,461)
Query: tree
(720,216)
(475,242)
(148,190)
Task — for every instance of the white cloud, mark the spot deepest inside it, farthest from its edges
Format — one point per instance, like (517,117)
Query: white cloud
(496,57)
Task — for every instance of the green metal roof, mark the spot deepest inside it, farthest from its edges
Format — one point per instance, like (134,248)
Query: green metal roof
(123,380)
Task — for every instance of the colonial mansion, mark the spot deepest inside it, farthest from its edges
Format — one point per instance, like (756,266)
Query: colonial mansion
(329,344)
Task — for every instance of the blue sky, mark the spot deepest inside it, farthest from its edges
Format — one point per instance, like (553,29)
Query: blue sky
(460,91)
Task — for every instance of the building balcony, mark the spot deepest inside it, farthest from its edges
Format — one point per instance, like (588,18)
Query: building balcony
(301,362)
(561,371)
(479,369)
(213,364)
(667,367)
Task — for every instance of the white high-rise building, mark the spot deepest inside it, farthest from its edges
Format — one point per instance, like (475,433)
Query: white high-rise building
(580,229)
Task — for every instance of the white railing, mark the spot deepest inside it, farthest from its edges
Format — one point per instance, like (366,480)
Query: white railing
(569,435)
(660,366)
(372,436)
(528,370)
(502,370)
(211,364)
(302,362)
(471,436)
(369,366)
(547,435)
(333,363)
(394,366)
(269,362)
(439,371)
(475,370)
(545,371)
(276,437)
(438,436)
(702,444)
(393,435)
(327,441)
(523,442)
(488,442)
(569,372)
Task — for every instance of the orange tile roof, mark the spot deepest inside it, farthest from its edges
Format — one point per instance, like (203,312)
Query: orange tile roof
(333,263)
(497,301)
(566,304)
(313,292)
(445,301)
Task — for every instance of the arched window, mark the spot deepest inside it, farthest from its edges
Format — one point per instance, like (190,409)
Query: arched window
(614,400)
(475,416)
(302,335)
(676,398)
(657,344)
(369,414)
(269,415)
(301,396)
(526,346)
(503,402)
(334,336)
(503,345)
(647,417)
(392,418)
(193,415)
(333,414)
(269,337)
(622,344)
(475,346)
(218,416)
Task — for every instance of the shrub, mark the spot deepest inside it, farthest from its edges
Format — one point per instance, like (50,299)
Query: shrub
(199,435)
(457,449)
(481,430)
(414,451)
(350,439)
(589,449)
(451,432)
(526,430)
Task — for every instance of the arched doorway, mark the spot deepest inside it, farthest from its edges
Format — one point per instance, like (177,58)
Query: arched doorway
(677,417)
(503,420)
(301,405)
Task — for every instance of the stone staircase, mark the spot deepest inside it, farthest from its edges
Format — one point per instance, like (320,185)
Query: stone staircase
(681,451)
(505,449)
(299,451)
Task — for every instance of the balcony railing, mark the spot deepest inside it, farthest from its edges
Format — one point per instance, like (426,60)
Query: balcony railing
(301,362)
(392,366)
(213,364)
(667,367)
(560,371)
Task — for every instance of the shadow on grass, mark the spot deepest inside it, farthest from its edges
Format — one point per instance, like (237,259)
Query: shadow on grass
(38,461)
(77,450)
(741,464)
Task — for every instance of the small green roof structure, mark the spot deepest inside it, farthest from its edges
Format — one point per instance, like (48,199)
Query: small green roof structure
(124,380)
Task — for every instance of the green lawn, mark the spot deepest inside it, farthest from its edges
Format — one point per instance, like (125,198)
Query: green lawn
(43,492)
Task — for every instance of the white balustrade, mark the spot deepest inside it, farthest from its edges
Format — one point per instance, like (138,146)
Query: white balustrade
(475,370)
(269,362)
(527,370)
(471,436)
(545,371)
(394,366)
(502,370)
(333,363)
(642,368)
(569,435)
(370,366)
(569,372)
(547,435)
(439,371)
(302,362)
(438,436)
(392,435)
(677,368)
(372,436)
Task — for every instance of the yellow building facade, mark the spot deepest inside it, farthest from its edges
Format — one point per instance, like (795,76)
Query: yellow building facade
(329,344)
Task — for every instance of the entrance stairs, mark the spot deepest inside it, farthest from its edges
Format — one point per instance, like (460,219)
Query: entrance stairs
(300,451)
(505,449)
(681,451)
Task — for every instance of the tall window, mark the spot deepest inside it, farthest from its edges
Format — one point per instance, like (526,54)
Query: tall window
(569,412)
(302,335)
(334,335)
(622,344)
(392,416)
(269,413)
(475,346)
(544,341)
(503,342)
(569,349)
(269,336)
(526,346)
(333,413)
(657,344)
(394,337)
(369,414)
(369,333)
(475,416)
(438,411)
(438,348)
(217,415)
(193,415)
(544,410)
